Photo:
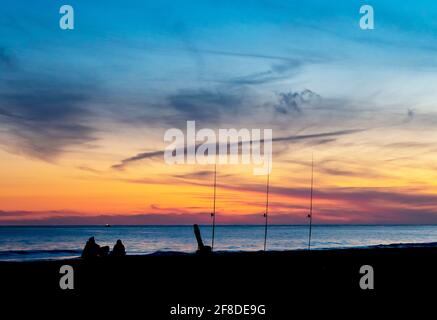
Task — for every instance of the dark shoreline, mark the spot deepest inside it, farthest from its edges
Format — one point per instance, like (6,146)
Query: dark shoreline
(219,253)
(421,256)
(277,279)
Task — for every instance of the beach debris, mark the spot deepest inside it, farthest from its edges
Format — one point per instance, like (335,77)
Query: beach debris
(201,248)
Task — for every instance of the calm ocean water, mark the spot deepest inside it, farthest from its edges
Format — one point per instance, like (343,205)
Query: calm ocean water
(27,243)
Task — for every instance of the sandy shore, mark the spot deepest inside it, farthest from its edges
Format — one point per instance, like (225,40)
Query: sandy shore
(340,266)
(270,278)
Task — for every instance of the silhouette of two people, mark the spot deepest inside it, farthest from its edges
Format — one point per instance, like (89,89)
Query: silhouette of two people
(92,250)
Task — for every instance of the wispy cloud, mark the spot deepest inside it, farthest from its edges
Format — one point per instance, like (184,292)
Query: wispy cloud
(205,105)
(145,218)
(292,102)
(276,72)
(358,196)
(43,116)
(288,139)
(195,175)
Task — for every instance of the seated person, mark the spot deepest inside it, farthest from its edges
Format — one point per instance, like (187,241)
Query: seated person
(92,250)
(118,250)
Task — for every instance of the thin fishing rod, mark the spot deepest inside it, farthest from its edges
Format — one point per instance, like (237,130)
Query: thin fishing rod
(213,206)
(266,214)
(310,216)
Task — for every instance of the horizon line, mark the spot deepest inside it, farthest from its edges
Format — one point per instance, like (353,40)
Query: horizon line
(220,225)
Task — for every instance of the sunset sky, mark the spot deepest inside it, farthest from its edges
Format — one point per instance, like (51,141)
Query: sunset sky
(83,112)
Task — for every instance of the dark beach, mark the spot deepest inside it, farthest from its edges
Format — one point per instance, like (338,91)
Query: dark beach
(272,278)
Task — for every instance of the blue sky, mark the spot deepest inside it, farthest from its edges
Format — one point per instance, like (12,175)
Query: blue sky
(89,98)
(164,61)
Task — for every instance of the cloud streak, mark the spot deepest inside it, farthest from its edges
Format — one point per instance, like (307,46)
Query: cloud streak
(205,105)
(288,139)
(43,117)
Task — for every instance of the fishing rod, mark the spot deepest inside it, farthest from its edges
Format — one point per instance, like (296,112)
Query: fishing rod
(266,212)
(310,215)
(213,207)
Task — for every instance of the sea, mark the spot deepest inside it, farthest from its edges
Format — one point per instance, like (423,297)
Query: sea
(60,242)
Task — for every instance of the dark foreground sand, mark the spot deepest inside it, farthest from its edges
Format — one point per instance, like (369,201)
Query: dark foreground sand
(280,280)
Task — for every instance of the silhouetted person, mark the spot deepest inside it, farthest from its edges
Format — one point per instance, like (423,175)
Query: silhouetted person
(201,248)
(118,250)
(91,250)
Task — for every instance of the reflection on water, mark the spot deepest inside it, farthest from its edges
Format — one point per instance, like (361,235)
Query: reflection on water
(55,242)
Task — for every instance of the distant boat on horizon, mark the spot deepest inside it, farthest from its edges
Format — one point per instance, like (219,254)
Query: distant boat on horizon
(108,225)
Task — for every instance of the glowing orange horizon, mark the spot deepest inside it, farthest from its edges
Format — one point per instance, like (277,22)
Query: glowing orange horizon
(345,191)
